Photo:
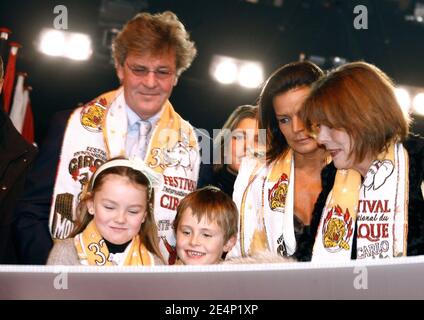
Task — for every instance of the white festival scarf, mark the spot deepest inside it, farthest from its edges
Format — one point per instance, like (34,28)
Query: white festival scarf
(378,207)
(264,196)
(92,250)
(96,133)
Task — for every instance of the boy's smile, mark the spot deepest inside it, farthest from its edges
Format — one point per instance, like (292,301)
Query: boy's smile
(200,242)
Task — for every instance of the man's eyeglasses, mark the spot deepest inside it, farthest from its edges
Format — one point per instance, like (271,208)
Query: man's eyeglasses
(160,73)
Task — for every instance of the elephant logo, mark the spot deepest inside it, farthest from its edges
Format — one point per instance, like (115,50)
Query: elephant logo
(377,174)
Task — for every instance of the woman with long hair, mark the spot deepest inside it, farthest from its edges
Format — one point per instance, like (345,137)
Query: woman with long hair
(276,196)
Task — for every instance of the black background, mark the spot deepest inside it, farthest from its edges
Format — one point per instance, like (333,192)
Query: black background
(263,32)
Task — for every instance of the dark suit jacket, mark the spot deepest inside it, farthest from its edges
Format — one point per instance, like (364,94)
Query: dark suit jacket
(16,155)
(33,209)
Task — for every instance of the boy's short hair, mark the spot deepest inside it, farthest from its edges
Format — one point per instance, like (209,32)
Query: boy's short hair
(213,203)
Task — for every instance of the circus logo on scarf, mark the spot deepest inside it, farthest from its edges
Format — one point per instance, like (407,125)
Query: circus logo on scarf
(85,163)
(81,167)
(179,157)
(63,223)
(92,115)
(377,174)
(278,193)
(337,230)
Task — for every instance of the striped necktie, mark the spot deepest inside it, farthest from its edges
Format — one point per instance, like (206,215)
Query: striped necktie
(139,149)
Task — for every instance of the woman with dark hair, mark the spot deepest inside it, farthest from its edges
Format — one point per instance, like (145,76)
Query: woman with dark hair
(375,207)
(276,196)
(238,136)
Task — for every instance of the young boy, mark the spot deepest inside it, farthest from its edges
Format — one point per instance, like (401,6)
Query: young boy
(205,226)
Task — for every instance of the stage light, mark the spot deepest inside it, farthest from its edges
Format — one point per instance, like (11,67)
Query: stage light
(52,42)
(404,99)
(325,62)
(250,75)
(75,46)
(78,47)
(225,71)
(418,16)
(338,61)
(418,104)
(229,70)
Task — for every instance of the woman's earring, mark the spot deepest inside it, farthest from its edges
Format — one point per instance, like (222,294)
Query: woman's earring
(91,210)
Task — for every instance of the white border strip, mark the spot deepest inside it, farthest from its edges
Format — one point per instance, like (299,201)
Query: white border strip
(209,268)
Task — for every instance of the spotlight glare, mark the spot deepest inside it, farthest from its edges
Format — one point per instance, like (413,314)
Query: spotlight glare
(226,72)
(418,104)
(75,46)
(403,98)
(229,70)
(52,42)
(78,47)
(250,75)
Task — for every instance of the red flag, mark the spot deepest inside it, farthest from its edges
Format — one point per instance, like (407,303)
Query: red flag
(9,77)
(28,126)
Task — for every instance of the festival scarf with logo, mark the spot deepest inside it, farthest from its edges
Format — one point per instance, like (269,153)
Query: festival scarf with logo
(96,133)
(92,250)
(264,197)
(378,207)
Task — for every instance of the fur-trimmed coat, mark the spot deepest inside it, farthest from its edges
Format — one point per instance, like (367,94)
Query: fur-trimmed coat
(415,246)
